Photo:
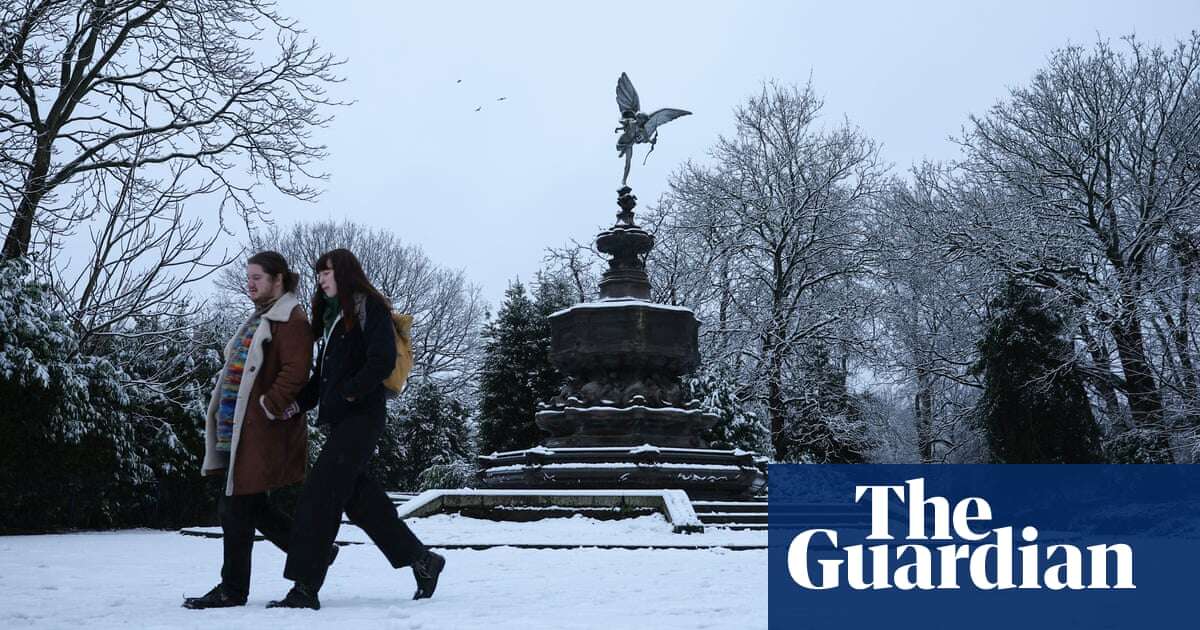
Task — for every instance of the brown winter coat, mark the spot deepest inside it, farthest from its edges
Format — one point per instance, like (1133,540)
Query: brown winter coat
(266,453)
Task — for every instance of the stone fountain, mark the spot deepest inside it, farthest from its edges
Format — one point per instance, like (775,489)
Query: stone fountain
(620,420)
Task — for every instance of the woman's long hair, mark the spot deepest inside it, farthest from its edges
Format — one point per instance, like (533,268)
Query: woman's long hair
(351,280)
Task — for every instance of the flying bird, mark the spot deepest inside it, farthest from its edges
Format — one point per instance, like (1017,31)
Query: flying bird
(637,127)
(479,108)
(502,98)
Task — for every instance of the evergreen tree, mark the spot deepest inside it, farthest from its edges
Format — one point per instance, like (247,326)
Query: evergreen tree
(517,373)
(171,384)
(432,429)
(387,465)
(739,424)
(1034,408)
(70,454)
(553,293)
(88,443)
(459,474)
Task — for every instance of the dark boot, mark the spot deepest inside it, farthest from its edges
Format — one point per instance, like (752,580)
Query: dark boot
(299,597)
(426,570)
(218,597)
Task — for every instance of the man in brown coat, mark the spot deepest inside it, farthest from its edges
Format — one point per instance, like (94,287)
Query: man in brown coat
(248,438)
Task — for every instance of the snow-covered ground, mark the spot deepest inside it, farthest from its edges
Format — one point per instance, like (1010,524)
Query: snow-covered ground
(137,578)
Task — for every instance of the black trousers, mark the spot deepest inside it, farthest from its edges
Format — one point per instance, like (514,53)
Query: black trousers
(240,516)
(338,483)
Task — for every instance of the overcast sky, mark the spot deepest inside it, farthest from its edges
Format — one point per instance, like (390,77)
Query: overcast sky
(488,191)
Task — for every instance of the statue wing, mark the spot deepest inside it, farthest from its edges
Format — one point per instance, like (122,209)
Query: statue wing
(627,97)
(662,117)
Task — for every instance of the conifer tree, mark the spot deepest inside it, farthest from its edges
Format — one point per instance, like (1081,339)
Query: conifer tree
(739,425)
(432,429)
(1034,408)
(517,373)
(69,446)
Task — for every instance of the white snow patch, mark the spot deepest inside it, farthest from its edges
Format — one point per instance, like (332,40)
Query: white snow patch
(621,303)
(137,578)
(675,502)
(601,407)
(619,449)
(629,465)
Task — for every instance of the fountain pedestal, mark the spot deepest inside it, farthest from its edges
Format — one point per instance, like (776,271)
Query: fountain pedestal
(620,420)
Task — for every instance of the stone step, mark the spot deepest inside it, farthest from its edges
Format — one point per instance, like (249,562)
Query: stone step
(819,508)
(716,518)
(814,520)
(798,517)
(761,527)
(703,507)
(523,513)
(526,513)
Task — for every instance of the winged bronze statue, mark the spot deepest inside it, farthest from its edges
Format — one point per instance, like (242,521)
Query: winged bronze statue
(637,127)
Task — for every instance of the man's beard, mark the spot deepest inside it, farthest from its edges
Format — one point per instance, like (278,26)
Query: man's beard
(264,300)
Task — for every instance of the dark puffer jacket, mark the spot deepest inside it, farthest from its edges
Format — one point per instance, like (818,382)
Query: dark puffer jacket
(352,365)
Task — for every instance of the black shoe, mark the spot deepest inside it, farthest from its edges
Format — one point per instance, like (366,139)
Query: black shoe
(333,554)
(299,597)
(426,570)
(218,597)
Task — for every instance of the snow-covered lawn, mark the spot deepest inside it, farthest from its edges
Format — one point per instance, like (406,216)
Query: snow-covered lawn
(137,578)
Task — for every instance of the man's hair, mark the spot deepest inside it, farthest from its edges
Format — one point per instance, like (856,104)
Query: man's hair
(275,264)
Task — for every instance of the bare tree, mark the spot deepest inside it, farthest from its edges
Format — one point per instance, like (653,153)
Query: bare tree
(934,307)
(90,89)
(1093,173)
(778,223)
(145,254)
(578,266)
(448,310)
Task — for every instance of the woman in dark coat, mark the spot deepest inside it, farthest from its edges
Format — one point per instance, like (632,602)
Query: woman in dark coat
(358,352)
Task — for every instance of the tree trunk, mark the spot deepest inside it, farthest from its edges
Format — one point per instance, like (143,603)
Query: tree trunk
(1190,381)
(1104,386)
(775,405)
(20,232)
(775,377)
(923,411)
(1145,400)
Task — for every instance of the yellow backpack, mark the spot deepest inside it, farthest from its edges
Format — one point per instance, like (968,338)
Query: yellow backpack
(395,381)
(402,324)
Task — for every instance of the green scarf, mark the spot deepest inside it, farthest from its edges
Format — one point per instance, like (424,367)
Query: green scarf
(330,312)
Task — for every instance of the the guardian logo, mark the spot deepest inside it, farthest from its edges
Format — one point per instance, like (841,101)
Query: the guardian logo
(986,565)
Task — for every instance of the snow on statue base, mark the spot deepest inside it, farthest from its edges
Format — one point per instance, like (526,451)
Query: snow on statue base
(702,473)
